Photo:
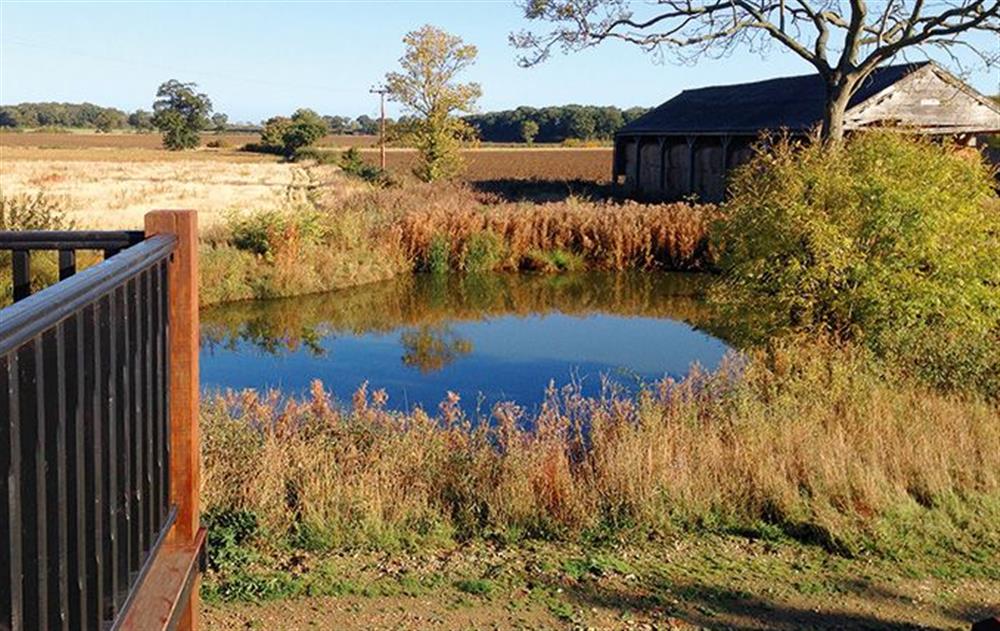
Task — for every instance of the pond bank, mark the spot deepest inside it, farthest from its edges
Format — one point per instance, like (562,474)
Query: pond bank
(341,237)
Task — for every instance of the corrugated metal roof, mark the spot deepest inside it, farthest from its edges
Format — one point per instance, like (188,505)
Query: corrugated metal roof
(792,103)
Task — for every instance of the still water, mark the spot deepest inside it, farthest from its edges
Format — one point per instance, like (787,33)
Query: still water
(488,339)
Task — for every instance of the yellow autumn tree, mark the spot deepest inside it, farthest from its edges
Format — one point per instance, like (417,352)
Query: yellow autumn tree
(426,86)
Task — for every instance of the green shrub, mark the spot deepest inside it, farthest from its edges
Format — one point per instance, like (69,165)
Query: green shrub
(551,261)
(483,253)
(321,156)
(230,535)
(264,231)
(353,164)
(288,135)
(34,212)
(438,255)
(889,240)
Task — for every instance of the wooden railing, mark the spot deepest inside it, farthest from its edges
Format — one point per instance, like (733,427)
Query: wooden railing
(98,435)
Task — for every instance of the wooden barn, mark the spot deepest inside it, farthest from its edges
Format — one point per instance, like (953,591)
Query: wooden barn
(686,146)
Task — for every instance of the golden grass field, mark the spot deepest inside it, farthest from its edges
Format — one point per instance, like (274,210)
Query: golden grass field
(111,180)
(114,195)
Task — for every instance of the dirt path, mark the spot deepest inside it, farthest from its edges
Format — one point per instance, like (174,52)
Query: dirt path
(712,583)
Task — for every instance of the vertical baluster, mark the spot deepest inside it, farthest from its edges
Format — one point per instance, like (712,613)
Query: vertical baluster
(124,445)
(158,394)
(22,274)
(149,501)
(93,390)
(109,452)
(67,263)
(165,384)
(34,533)
(51,391)
(136,424)
(73,331)
(10,500)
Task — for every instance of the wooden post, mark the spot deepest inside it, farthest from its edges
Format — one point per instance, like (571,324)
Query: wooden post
(185,446)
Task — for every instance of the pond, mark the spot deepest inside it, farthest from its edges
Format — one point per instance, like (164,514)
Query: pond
(503,337)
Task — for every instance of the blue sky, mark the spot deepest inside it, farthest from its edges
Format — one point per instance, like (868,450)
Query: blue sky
(260,59)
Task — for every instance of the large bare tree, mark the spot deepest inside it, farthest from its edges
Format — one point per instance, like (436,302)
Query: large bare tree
(845,40)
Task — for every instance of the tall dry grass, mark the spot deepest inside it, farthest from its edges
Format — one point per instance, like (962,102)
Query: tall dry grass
(604,234)
(810,439)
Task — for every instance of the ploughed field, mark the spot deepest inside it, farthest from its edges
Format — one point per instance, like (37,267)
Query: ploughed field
(590,164)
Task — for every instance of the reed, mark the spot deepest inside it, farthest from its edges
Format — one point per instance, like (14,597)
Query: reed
(603,234)
(806,438)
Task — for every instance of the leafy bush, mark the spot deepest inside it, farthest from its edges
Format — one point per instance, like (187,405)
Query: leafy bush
(319,155)
(262,232)
(889,240)
(288,135)
(483,253)
(34,212)
(352,163)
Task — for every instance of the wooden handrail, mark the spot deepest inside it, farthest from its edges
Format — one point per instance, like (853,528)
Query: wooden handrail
(99,441)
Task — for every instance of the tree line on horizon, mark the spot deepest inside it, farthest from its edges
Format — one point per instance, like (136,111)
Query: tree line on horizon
(523,124)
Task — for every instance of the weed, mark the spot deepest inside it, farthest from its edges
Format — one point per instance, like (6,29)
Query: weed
(437,259)
(475,587)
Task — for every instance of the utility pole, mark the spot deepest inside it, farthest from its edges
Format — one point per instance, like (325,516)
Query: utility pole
(381,91)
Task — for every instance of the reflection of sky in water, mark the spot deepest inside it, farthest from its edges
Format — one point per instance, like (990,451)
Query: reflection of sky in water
(511,358)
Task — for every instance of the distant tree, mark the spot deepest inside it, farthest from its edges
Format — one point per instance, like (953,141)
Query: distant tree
(141,120)
(219,121)
(79,115)
(529,129)
(555,124)
(181,114)
(104,122)
(306,128)
(844,40)
(426,88)
(580,122)
(272,136)
(287,135)
(339,124)
(366,125)
(8,117)
(607,121)
(633,113)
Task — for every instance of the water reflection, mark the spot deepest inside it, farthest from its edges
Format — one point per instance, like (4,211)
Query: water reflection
(489,338)
(431,347)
